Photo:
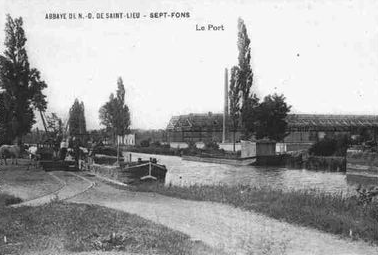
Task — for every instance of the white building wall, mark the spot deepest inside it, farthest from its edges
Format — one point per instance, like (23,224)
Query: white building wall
(127,140)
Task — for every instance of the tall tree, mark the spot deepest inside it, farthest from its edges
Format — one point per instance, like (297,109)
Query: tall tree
(115,115)
(234,99)
(245,74)
(76,121)
(22,85)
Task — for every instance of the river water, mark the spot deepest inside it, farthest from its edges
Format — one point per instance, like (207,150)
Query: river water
(186,173)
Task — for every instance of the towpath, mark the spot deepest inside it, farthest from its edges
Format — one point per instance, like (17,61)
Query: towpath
(222,226)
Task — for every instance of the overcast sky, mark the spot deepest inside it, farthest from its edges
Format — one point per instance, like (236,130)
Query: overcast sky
(322,55)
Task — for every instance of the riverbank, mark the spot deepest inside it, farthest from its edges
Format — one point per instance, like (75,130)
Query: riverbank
(362,163)
(332,213)
(70,228)
(302,160)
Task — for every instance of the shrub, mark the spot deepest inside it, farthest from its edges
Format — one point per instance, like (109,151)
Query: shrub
(145,143)
(335,146)
(105,150)
(211,145)
(156,144)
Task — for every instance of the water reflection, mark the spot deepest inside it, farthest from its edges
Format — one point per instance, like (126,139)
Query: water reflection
(185,173)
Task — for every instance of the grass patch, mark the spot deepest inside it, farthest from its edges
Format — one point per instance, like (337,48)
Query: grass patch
(333,213)
(68,228)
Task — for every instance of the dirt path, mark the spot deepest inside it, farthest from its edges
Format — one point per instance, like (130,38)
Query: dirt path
(221,226)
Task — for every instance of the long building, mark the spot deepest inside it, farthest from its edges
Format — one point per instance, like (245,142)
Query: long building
(303,129)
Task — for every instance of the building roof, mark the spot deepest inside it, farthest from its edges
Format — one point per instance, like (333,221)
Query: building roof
(196,121)
(334,121)
(214,121)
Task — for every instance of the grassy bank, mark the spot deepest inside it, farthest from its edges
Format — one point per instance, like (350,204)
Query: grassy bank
(327,212)
(67,228)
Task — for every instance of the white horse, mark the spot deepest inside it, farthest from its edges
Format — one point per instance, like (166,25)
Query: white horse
(12,151)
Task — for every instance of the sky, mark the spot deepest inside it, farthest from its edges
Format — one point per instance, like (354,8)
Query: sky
(322,55)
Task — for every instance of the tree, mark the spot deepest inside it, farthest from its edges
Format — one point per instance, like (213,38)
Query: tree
(244,71)
(5,129)
(76,121)
(22,85)
(55,127)
(268,118)
(234,98)
(250,116)
(115,115)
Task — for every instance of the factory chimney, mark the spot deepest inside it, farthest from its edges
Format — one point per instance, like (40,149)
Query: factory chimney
(225,110)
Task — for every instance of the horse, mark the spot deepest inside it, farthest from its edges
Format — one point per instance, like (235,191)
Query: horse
(10,151)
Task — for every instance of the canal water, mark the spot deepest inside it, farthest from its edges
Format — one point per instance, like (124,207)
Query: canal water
(186,173)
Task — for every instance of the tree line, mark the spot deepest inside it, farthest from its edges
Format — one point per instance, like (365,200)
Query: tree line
(22,95)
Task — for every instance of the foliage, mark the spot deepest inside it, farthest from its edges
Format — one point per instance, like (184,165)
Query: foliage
(331,146)
(5,128)
(211,145)
(55,128)
(98,136)
(22,85)
(234,99)
(268,118)
(76,121)
(105,150)
(244,71)
(250,117)
(156,144)
(145,143)
(114,114)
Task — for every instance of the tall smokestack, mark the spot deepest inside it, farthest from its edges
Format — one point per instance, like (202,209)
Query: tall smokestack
(225,110)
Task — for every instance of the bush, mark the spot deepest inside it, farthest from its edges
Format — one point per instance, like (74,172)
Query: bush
(211,145)
(335,146)
(145,143)
(156,144)
(105,150)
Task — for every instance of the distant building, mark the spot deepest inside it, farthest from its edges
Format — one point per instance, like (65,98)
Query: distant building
(127,140)
(199,128)
(303,129)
